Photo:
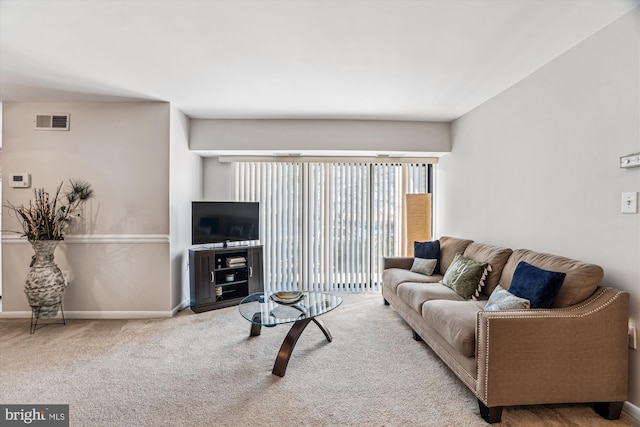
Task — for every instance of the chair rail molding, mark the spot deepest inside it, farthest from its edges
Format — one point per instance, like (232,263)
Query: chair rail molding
(98,238)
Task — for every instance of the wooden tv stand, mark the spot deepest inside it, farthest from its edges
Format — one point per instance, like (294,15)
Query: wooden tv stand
(219,278)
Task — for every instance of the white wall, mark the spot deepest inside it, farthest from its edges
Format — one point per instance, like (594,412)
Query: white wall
(120,266)
(186,186)
(0,193)
(537,166)
(346,137)
(326,135)
(217,180)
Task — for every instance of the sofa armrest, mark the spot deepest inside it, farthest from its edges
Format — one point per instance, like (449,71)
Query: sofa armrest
(573,354)
(403,262)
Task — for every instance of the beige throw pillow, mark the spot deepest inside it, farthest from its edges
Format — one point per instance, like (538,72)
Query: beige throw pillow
(424,266)
(501,299)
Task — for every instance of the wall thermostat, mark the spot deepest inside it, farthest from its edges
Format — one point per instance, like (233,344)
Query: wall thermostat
(20,180)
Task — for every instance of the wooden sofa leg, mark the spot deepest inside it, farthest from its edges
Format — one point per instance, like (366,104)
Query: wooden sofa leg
(609,410)
(490,415)
(416,336)
(385,301)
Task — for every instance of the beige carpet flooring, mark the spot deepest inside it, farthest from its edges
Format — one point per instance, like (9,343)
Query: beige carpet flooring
(205,370)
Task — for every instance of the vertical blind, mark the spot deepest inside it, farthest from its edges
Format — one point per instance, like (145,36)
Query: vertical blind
(327,226)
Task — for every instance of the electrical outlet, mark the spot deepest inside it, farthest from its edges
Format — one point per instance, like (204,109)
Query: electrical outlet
(633,342)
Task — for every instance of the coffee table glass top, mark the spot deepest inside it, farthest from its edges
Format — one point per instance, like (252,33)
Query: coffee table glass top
(261,310)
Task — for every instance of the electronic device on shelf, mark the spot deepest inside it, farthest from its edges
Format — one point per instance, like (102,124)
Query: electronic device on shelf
(222,222)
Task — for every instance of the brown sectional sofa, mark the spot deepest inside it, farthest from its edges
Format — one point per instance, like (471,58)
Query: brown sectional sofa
(574,352)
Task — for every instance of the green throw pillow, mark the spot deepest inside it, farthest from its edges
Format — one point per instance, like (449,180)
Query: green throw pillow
(501,299)
(424,266)
(465,276)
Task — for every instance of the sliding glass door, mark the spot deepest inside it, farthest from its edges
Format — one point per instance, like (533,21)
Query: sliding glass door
(327,226)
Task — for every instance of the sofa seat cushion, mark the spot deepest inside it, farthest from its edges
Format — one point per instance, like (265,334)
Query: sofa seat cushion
(392,277)
(455,322)
(415,294)
(580,282)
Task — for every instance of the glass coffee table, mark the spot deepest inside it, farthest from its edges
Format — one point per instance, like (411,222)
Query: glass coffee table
(264,309)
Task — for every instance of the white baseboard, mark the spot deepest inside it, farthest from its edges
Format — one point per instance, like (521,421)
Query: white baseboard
(184,304)
(94,314)
(111,315)
(632,411)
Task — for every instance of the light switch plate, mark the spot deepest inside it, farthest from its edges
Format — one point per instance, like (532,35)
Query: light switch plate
(629,202)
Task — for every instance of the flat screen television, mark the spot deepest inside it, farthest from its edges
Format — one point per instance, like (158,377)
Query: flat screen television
(222,222)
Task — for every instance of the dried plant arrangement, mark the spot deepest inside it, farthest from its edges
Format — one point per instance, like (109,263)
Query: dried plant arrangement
(48,218)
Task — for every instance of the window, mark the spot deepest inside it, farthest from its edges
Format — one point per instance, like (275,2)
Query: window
(327,226)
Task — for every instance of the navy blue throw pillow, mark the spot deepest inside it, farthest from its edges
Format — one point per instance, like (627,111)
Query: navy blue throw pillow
(428,250)
(539,286)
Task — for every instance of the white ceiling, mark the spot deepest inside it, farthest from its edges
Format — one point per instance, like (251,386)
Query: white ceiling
(398,60)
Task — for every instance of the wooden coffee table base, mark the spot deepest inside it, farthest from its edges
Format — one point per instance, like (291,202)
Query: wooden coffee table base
(289,343)
(261,311)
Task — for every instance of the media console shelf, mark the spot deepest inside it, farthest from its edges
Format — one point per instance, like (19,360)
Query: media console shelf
(221,277)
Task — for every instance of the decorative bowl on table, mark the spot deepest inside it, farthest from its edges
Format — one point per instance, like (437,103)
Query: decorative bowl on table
(286,297)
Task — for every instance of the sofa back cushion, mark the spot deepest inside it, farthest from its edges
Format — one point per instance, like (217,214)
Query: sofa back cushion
(449,247)
(580,282)
(495,256)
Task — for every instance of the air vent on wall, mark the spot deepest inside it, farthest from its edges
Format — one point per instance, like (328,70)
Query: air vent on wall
(52,122)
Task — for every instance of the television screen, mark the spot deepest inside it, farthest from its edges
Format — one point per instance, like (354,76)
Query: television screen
(221,222)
